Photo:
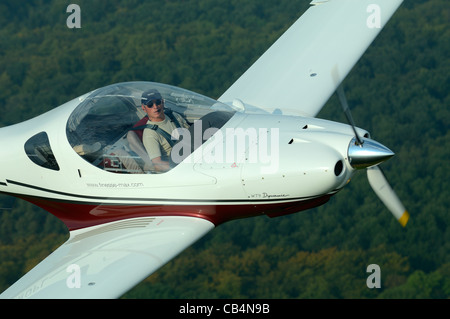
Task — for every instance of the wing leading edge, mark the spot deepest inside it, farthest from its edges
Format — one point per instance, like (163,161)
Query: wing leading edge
(302,69)
(108,260)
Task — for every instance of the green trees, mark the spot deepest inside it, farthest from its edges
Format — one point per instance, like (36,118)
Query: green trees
(398,91)
(280,272)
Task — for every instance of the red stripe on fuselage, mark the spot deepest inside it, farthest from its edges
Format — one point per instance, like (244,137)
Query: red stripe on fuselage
(76,215)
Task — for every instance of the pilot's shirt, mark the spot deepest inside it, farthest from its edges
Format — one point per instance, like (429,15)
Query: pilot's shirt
(155,144)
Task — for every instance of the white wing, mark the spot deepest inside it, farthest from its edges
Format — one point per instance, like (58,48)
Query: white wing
(299,73)
(106,261)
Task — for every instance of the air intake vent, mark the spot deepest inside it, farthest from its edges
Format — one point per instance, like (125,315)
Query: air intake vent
(338,168)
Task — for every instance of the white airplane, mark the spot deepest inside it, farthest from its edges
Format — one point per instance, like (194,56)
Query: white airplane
(257,150)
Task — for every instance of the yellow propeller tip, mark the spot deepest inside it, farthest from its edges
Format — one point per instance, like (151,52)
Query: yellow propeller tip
(404,219)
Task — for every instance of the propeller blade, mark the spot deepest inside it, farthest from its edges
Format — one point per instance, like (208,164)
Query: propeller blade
(381,187)
(340,92)
(348,114)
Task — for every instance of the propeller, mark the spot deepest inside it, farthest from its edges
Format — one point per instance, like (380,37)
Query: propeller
(367,153)
(381,187)
(348,114)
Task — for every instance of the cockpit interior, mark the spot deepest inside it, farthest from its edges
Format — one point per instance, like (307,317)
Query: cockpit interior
(99,128)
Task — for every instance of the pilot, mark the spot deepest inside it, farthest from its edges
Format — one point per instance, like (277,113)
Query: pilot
(159,126)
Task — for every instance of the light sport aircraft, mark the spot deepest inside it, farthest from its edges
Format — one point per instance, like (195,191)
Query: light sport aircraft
(257,150)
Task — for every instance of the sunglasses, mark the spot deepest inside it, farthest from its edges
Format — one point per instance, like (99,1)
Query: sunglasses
(150,104)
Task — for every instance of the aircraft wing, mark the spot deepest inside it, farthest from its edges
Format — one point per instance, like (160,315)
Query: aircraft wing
(302,69)
(106,261)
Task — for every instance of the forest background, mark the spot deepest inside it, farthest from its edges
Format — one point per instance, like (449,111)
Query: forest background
(399,91)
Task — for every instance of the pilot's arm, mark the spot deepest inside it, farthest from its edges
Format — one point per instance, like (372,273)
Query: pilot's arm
(157,149)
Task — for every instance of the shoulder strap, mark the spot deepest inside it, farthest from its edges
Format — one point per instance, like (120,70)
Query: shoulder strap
(164,134)
(139,127)
(172,117)
(156,128)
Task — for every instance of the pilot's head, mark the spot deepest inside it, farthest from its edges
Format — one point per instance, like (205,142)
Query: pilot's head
(153,104)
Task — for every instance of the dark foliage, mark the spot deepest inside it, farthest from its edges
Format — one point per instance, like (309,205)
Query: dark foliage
(399,91)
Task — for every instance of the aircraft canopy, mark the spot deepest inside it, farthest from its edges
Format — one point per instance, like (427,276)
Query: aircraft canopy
(99,127)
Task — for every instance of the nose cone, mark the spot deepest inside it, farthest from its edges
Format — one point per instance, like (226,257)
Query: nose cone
(368,154)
